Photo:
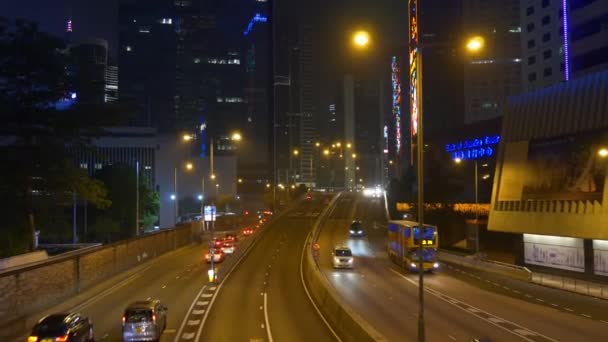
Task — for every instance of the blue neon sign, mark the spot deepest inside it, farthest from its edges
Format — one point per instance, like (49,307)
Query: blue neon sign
(473,148)
(257,18)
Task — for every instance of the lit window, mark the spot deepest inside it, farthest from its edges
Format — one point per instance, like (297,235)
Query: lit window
(483,61)
(147,167)
(98,166)
(128,48)
(197,60)
(515,29)
(84,166)
(219,99)
(144,29)
(166,21)
(234,61)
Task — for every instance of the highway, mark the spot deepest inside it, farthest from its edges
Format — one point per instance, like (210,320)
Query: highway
(459,305)
(176,278)
(263,298)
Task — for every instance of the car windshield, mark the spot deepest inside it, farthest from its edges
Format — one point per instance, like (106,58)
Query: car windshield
(138,315)
(51,326)
(356,225)
(343,252)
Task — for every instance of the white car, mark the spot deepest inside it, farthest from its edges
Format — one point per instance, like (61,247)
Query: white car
(228,248)
(342,257)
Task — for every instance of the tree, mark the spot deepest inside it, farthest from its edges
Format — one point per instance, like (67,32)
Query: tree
(37,164)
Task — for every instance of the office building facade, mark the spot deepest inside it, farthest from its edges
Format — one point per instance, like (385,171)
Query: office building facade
(562,40)
(492,74)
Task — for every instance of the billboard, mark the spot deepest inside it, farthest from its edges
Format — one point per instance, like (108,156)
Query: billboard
(396,81)
(554,251)
(566,168)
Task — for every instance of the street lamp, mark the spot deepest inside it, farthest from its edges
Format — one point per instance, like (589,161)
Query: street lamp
(475,44)
(236,136)
(187,137)
(349,145)
(240,180)
(326,152)
(318,144)
(189,166)
(361,39)
(603,152)
(296,152)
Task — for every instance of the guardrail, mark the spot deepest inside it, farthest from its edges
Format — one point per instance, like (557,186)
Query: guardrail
(37,286)
(344,321)
(571,284)
(509,270)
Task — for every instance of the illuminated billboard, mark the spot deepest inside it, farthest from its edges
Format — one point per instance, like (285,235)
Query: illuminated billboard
(414,92)
(396,80)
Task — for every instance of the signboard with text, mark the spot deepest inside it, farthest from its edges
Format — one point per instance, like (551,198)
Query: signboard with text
(209,213)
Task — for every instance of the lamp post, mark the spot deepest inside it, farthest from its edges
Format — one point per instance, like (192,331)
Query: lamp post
(458,161)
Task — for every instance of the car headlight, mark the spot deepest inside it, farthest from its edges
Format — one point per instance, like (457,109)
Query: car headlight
(360,232)
(336,259)
(436,265)
(413,265)
(350,261)
(352,231)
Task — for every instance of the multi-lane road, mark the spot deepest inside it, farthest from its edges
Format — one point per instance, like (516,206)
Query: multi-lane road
(263,299)
(459,305)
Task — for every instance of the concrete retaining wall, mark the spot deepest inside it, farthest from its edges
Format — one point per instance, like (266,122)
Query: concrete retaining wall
(508,270)
(347,324)
(37,286)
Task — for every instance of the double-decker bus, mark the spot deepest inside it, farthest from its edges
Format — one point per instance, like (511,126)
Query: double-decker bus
(403,242)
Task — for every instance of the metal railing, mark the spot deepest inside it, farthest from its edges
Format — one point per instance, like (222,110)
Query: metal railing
(571,284)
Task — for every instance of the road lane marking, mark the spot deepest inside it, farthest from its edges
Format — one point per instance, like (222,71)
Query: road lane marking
(529,296)
(212,288)
(188,336)
(516,291)
(506,288)
(585,315)
(266,320)
(452,337)
(198,312)
(193,322)
(540,300)
(164,286)
(520,331)
(568,309)
(601,320)
(206,295)
(169,331)
(553,304)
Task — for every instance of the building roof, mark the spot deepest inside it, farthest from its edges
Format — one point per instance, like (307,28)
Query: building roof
(567,108)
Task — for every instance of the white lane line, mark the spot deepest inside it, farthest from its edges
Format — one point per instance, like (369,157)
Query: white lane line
(164,286)
(148,298)
(540,300)
(601,320)
(169,331)
(529,296)
(506,288)
(452,337)
(198,312)
(266,320)
(521,331)
(206,295)
(568,309)
(212,288)
(188,336)
(585,315)
(202,303)
(553,304)
(194,322)
(516,291)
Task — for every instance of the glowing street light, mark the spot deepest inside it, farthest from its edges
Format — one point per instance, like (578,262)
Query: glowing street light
(457,160)
(338,144)
(361,39)
(318,144)
(326,152)
(187,137)
(212,176)
(240,180)
(603,152)
(268,185)
(173,197)
(189,166)
(296,152)
(349,145)
(475,43)
(200,197)
(236,136)
(354,156)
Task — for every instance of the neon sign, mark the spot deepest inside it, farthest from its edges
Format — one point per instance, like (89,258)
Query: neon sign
(566,43)
(396,102)
(473,148)
(414,91)
(257,18)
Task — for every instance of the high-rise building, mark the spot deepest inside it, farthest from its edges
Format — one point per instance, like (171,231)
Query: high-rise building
(111,83)
(89,58)
(548,55)
(492,74)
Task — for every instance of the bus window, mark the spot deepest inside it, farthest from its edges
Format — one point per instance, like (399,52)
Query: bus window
(429,237)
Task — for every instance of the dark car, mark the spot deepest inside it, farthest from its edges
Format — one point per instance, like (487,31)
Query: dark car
(64,327)
(356,229)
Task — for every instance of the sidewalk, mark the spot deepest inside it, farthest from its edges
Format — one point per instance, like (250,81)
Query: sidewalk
(585,287)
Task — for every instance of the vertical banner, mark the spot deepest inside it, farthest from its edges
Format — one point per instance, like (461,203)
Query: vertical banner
(413,73)
(396,81)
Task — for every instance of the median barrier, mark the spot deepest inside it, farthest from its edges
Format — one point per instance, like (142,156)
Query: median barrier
(34,287)
(345,322)
(509,270)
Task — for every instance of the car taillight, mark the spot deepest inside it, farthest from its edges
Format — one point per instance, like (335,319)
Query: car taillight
(154,318)
(124,320)
(61,338)
(32,339)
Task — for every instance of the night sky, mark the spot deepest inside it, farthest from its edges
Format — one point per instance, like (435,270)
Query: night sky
(90,18)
